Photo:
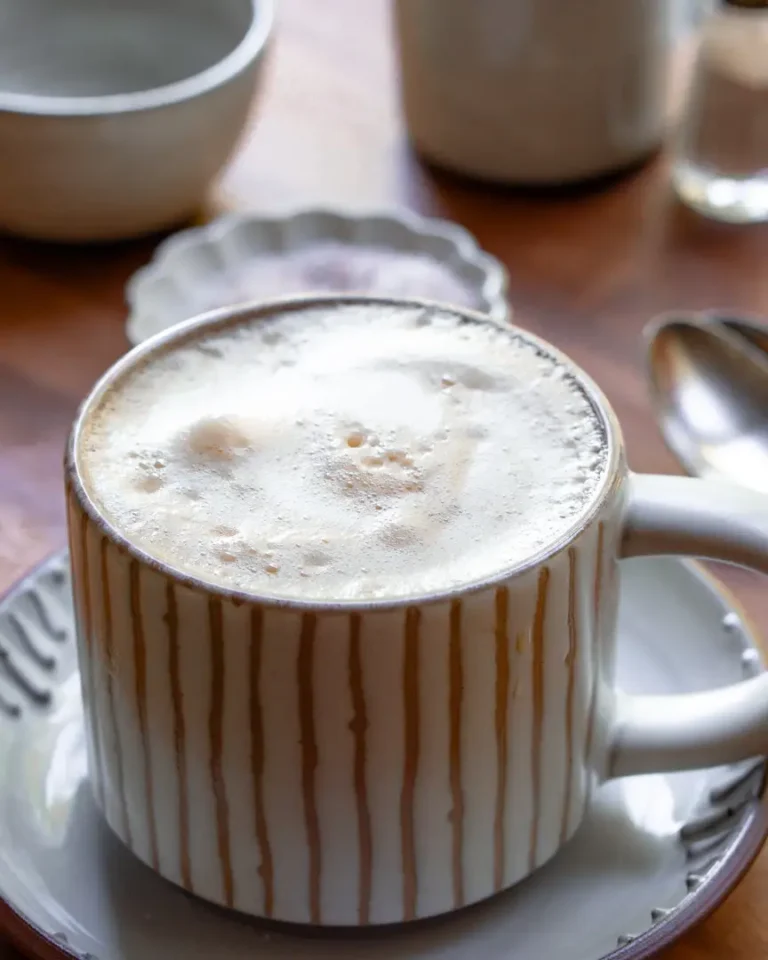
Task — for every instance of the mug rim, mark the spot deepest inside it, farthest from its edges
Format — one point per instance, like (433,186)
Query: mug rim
(250,311)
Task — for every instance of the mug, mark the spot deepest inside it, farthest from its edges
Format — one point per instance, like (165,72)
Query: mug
(535,92)
(357,763)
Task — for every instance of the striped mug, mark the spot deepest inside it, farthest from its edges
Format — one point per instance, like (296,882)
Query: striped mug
(357,763)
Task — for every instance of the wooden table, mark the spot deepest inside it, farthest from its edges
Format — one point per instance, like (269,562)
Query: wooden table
(587,270)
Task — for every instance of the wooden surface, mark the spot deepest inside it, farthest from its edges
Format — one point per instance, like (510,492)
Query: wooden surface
(586,271)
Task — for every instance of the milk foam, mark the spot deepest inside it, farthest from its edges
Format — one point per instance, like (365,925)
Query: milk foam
(347,453)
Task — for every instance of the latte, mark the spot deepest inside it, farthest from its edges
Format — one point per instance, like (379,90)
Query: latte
(345,452)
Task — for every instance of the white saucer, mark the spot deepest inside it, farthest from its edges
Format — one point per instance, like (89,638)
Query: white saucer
(656,854)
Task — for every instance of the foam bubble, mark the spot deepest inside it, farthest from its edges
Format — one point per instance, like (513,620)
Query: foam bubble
(398,452)
(214,438)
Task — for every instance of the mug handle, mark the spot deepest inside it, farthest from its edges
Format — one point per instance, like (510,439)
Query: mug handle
(718,521)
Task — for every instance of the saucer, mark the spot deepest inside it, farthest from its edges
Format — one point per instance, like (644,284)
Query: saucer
(655,855)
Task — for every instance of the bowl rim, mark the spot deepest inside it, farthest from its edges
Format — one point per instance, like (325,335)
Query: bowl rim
(246,51)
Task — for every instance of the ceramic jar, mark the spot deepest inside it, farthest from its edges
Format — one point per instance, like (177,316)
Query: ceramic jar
(534,91)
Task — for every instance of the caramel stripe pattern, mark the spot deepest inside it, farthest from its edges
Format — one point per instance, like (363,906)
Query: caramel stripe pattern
(456,670)
(140,668)
(179,733)
(87,628)
(595,644)
(502,735)
(309,756)
(340,812)
(216,731)
(109,654)
(266,869)
(538,637)
(359,729)
(570,665)
(411,705)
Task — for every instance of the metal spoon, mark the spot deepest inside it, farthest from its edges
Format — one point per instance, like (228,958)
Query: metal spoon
(752,330)
(709,385)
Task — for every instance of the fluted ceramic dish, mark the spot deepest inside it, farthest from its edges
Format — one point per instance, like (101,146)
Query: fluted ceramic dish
(243,257)
(655,854)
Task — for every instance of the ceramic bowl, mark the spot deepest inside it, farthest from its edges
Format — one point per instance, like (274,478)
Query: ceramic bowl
(249,257)
(115,115)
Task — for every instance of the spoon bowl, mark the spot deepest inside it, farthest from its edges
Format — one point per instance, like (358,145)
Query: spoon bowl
(753,331)
(709,386)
